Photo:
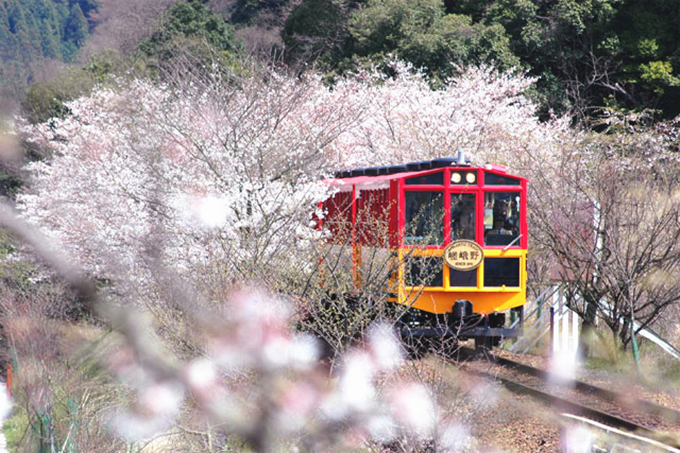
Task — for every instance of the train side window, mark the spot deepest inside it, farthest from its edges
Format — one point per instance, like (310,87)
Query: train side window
(502,218)
(462,278)
(433,179)
(424,271)
(424,223)
(463,216)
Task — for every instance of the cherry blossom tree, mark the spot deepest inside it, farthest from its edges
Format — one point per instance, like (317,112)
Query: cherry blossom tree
(226,171)
(609,215)
(224,174)
(177,195)
(483,112)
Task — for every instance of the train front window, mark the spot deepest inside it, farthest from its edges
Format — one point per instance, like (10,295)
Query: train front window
(501,272)
(502,218)
(424,211)
(462,216)
(491,179)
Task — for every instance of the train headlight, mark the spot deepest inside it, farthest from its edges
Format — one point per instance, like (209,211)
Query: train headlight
(470,178)
(456,178)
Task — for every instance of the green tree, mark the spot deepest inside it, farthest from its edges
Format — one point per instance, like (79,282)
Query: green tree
(75,30)
(316,29)
(422,33)
(34,30)
(190,37)
(590,53)
(45,100)
(87,6)
(191,19)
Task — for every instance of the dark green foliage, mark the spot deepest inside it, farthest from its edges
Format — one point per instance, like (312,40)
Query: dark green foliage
(75,30)
(30,29)
(345,34)
(33,30)
(44,100)
(190,38)
(587,54)
(315,28)
(246,12)
(422,33)
(192,20)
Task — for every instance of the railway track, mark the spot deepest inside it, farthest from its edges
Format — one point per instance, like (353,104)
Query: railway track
(622,413)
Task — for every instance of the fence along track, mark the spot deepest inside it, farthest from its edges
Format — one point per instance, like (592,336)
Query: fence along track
(537,324)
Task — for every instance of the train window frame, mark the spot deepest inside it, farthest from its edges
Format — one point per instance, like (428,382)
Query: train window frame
(488,215)
(475,213)
(419,189)
(450,190)
(512,181)
(493,275)
(409,181)
(435,273)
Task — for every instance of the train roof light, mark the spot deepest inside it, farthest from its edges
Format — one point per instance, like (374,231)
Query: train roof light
(470,177)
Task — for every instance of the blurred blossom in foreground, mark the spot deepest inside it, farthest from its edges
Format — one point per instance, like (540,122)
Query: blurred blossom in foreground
(485,393)
(412,405)
(206,211)
(455,437)
(576,439)
(263,381)
(5,403)
(384,347)
(158,404)
(563,366)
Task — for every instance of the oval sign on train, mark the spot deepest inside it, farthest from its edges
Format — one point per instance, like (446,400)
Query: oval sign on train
(463,255)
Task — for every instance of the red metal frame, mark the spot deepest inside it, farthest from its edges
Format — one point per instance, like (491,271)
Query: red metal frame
(394,198)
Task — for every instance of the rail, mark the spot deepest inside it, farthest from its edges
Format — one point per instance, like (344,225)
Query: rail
(638,418)
(616,439)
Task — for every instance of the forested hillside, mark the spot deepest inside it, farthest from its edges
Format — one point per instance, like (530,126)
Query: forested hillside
(34,30)
(588,56)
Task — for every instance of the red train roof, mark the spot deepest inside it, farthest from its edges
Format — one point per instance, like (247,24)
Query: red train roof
(354,180)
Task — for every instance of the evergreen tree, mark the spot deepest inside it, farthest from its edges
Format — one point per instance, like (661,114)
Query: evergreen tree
(190,29)
(75,30)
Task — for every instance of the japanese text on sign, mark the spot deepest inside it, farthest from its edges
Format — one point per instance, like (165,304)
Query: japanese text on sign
(463,255)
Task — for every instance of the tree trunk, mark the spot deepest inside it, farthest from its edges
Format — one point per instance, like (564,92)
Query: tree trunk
(587,334)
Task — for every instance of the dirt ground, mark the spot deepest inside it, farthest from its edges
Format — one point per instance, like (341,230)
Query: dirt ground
(513,423)
(501,421)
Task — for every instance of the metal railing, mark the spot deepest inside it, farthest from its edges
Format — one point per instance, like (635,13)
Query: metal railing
(537,322)
(537,319)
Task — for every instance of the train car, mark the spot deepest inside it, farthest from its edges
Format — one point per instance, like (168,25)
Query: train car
(457,236)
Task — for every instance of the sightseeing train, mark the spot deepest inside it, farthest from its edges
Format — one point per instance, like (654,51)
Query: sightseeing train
(456,236)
